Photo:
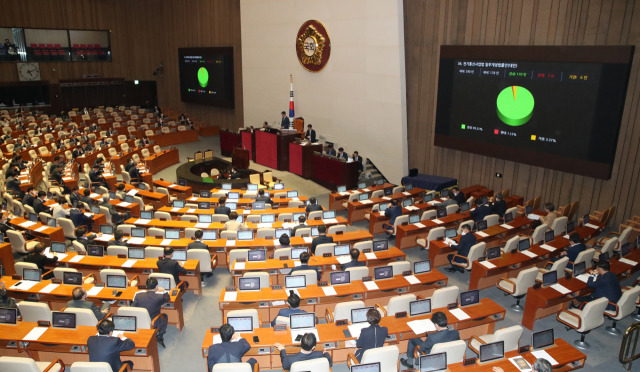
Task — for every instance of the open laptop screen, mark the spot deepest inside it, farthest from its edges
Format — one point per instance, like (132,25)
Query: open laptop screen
(31,274)
(95,250)
(384,272)
(340,277)
(257,255)
(542,339)
(433,362)
(241,323)
(420,307)
(209,235)
(125,323)
(106,229)
(295,281)
(179,254)
(420,267)
(380,245)
(492,351)
(469,298)
(116,281)
(58,247)
(249,284)
(524,244)
(205,218)
(61,319)
(360,315)
(549,278)
(72,278)
(302,320)
(245,235)
(8,316)
(296,252)
(136,253)
(369,367)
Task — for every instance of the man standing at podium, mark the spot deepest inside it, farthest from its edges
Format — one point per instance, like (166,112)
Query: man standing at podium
(285,121)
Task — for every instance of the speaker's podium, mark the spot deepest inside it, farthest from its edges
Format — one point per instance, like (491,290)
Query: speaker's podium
(272,149)
(240,158)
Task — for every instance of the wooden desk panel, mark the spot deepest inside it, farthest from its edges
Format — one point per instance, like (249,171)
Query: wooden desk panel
(181,192)
(6,258)
(158,162)
(49,233)
(336,199)
(406,235)
(357,210)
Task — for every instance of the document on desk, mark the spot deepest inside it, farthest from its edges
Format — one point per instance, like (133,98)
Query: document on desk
(592,226)
(329,291)
(276,242)
(406,193)
(41,228)
(543,354)
(230,296)
(520,363)
(533,216)
(487,264)
(135,241)
(49,288)
(307,239)
(459,313)
(265,225)
(76,258)
(327,221)
(628,261)
(529,253)
(140,221)
(301,332)
(104,238)
(449,241)
(230,243)
(343,259)
(560,288)
(439,222)
(94,291)
(548,247)
(365,190)
(412,279)
(289,225)
(27,224)
(35,334)
(371,256)
(277,303)
(166,241)
(419,225)
(202,225)
(131,192)
(124,204)
(381,212)
(421,326)
(386,198)
(23,285)
(583,277)
(365,201)
(370,285)
(482,234)
(239,265)
(506,226)
(344,193)
(246,211)
(94,195)
(191,210)
(174,209)
(411,208)
(129,263)
(193,198)
(356,329)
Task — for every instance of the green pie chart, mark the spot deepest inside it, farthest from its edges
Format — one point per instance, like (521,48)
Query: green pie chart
(203,77)
(515,105)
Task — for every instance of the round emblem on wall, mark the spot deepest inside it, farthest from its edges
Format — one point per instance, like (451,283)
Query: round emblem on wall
(313,46)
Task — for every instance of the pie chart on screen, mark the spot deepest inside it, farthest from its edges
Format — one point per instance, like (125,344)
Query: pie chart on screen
(515,105)
(203,77)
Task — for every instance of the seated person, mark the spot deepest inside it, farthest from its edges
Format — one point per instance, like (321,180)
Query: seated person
(301,225)
(197,243)
(442,334)
(575,247)
(262,197)
(304,265)
(80,301)
(482,210)
(231,350)
(167,265)
(37,257)
(118,235)
(322,238)
(550,209)
(499,205)
(604,284)
(152,299)
(330,150)
(103,347)
(84,237)
(457,197)
(355,254)
(294,303)
(393,211)
(371,337)
(6,301)
(308,344)
(221,208)
(313,205)
(233,224)
(540,365)
(467,240)
(284,241)
(342,154)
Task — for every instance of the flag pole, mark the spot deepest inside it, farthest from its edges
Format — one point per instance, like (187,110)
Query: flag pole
(291,105)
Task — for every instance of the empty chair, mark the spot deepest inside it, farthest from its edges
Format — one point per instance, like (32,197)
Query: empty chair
(342,310)
(143,320)
(305,231)
(235,254)
(442,297)
(266,233)
(357,273)
(377,194)
(352,198)
(623,308)
(387,356)
(559,225)
(510,336)
(583,321)
(511,244)
(114,250)
(452,208)
(558,266)
(84,317)
(476,251)
(455,350)
(311,365)
(623,237)
(172,281)
(435,233)
(518,287)
(205,261)
(428,215)
(400,267)
(161,215)
(492,219)
(584,256)
(155,252)
(538,234)
(220,218)
(285,217)
(95,367)
(233,367)
(19,244)
(16,364)
(321,249)
(230,235)
(34,311)
(125,228)
(337,229)
(315,215)
(400,220)
(155,231)
(310,275)
(397,304)
(608,247)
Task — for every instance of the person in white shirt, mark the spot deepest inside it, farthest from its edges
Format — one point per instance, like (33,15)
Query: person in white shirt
(233,224)
(58,211)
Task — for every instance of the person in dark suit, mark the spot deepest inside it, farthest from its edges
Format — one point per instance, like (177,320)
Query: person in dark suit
(294,303)
(301,225)
(458,195)
(197,244)
(575,247)
(467,240)
(321,239)
(310,134)
(37,257)
(604,284)
(6,301)
(29,196)
(308,352)
(358,159)
(130,164)
(442,334)
(117,239)
(313,205)
(304,265)
(103,347)
(499,205)
(393,211)
(86,198)
(152,300)
(262,197)
(481,211)
(330,150)
(284,123)
(167,265)
(371,337)
(78,151)
(38,203)
(80,301)
(83,237)
(342,154)
(96,177)
(74,197)
(231,350)
(116,217)
(355,254)
(221,209)
(13,185)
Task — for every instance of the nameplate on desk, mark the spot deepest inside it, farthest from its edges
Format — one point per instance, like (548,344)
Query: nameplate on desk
(275,287)
(326,255)
(401,314)
(280,327)
(215,330)
(342,322)
(230,289)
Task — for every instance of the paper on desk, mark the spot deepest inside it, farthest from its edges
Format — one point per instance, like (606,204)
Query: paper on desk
(277,303)
(529,253)
(77,258)
(41,228)
(117,333)
(27,224)
(49,288)
(239,265)
(583,277)
(172,185)
(370,285)
(140,221)
(230,243)
(628,261)
(61,256)
(296,263)
(520,363)
(35,334)
(356,329)
(419,225)
(174,209)
(230,296)
(449,241)
(90,215)
(132,192)
(543,354)
(560,288)
(548,247)
(135,241)
(193,198)
(329,291)
(439,222)
(246,211)
(107,174)
(371,256)
(343,259)
(382,213)
(307,239)
(412,279)
(67,178)
(533,216)
(202,225)
(365,190)
(129,263)
(104,238)
(365,201)
(166,241)
(94,291)
(506,226)
(411,208)
(482,234)
(421,326)
(23,285)
(406,193)
(329,220)
(191,210)
(217,339)
(566,236)
(459,313)
(351,343)
(276,242)
(592,226)
(124,204)
(289,225)
(487,264)
(386,198)
(94,195)
(344,193)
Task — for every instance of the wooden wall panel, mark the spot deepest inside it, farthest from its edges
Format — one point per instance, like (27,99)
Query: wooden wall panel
(431,23)
(144,34)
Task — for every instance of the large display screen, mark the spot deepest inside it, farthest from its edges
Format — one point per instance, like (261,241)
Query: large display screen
(206,75)
(555,107)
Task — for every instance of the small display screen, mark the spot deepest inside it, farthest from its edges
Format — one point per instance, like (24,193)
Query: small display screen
(209,235)
(295,281)
(180,255)
(58,247)
(206,194)
(491,351)
(420,267)
(407,202)
(441,213)
(302,320)
(420,307)
(314,231)
(205,218)
(252,187)
(433,362)
(268,218)
(138,232)
(51,222)
(233,195)
(241,323)
(524,244)
(257,255)
(204,205)
(245,235)
(164,283)
(369,367)
(178,203)
(469,298)
(580,268)
(125,323)
(95,250)
(136,253)
(231,205)
(340,277)
(296,252)
(258,206)
(380,245)
(542,339)
(128,198)
(341,249)
(106,229)
(249,284)
(363,196)
(116,281)
(450,233)
(342,188)
(71,278)
(172,234)
(481,225)
(384,272)
(548,236)
(226,186)
(292,194)
(329,214)
(33,217)
(278,186)
(493,252)
(549,278)
(280,232)
(145,215)
(31,274)
(61,319)
(8,316)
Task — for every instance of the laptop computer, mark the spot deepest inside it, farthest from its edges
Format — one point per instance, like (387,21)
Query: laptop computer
(178,203)
(31,274)
(172,234)
(341,249)
(414,218)
(625,249)
(116,281)
(380,245)
(363,196)
(226,186)
(481,225)
(95,250)
(135,253)
(33,217)
(296,216)
(125,323)
(508,217)
(444,193)
(204,205)
(205,194)
(362,185)
(328,214)
(281,231)
(295,281)
(245,235)
(368,367)
(209,235)
(379,182)
(138,232)
(433,362)
(420,307)
(407,202)
(302,321)
(258,206)
(51,222)
(493,252)
(60,319)
(359,315)
(249,284)
(144,215)
(257,255)
(278,186)
(164,283)
(420,267)
(58,247)
(233,206)
(491,352)
(450,233)
(339,277)
(268,218)
(571,225)
(296,252)
(314,231)
(252,187)
(182,182)
(428,198)
(524,244)
(549,278)
(542,339)
(180,255)
(580,268)
(342,188)
(128,198)
(292,194)
(241,323)
(8,316)
(205,218)
(383,272)
(549,236)
(95,209)
(72,278)
(528,210)
(469,298)
(106,229)
(233,195)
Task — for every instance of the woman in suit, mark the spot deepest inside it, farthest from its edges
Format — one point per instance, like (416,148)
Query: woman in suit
(372,336)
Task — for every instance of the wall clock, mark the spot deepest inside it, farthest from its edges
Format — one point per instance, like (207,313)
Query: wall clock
(29,71)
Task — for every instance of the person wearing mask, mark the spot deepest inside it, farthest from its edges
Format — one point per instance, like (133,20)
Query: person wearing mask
(37,257)
(304,265)
(79,301)
(499,205)
(104,347)
(467,240)
(482,210)
(152,299)
(371,337)
(575,247)
(355,254)
(322,238)
(167,265)
(313,205)
(308,352)
(231,350)
(197,243)
(442,334)
(293,302)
